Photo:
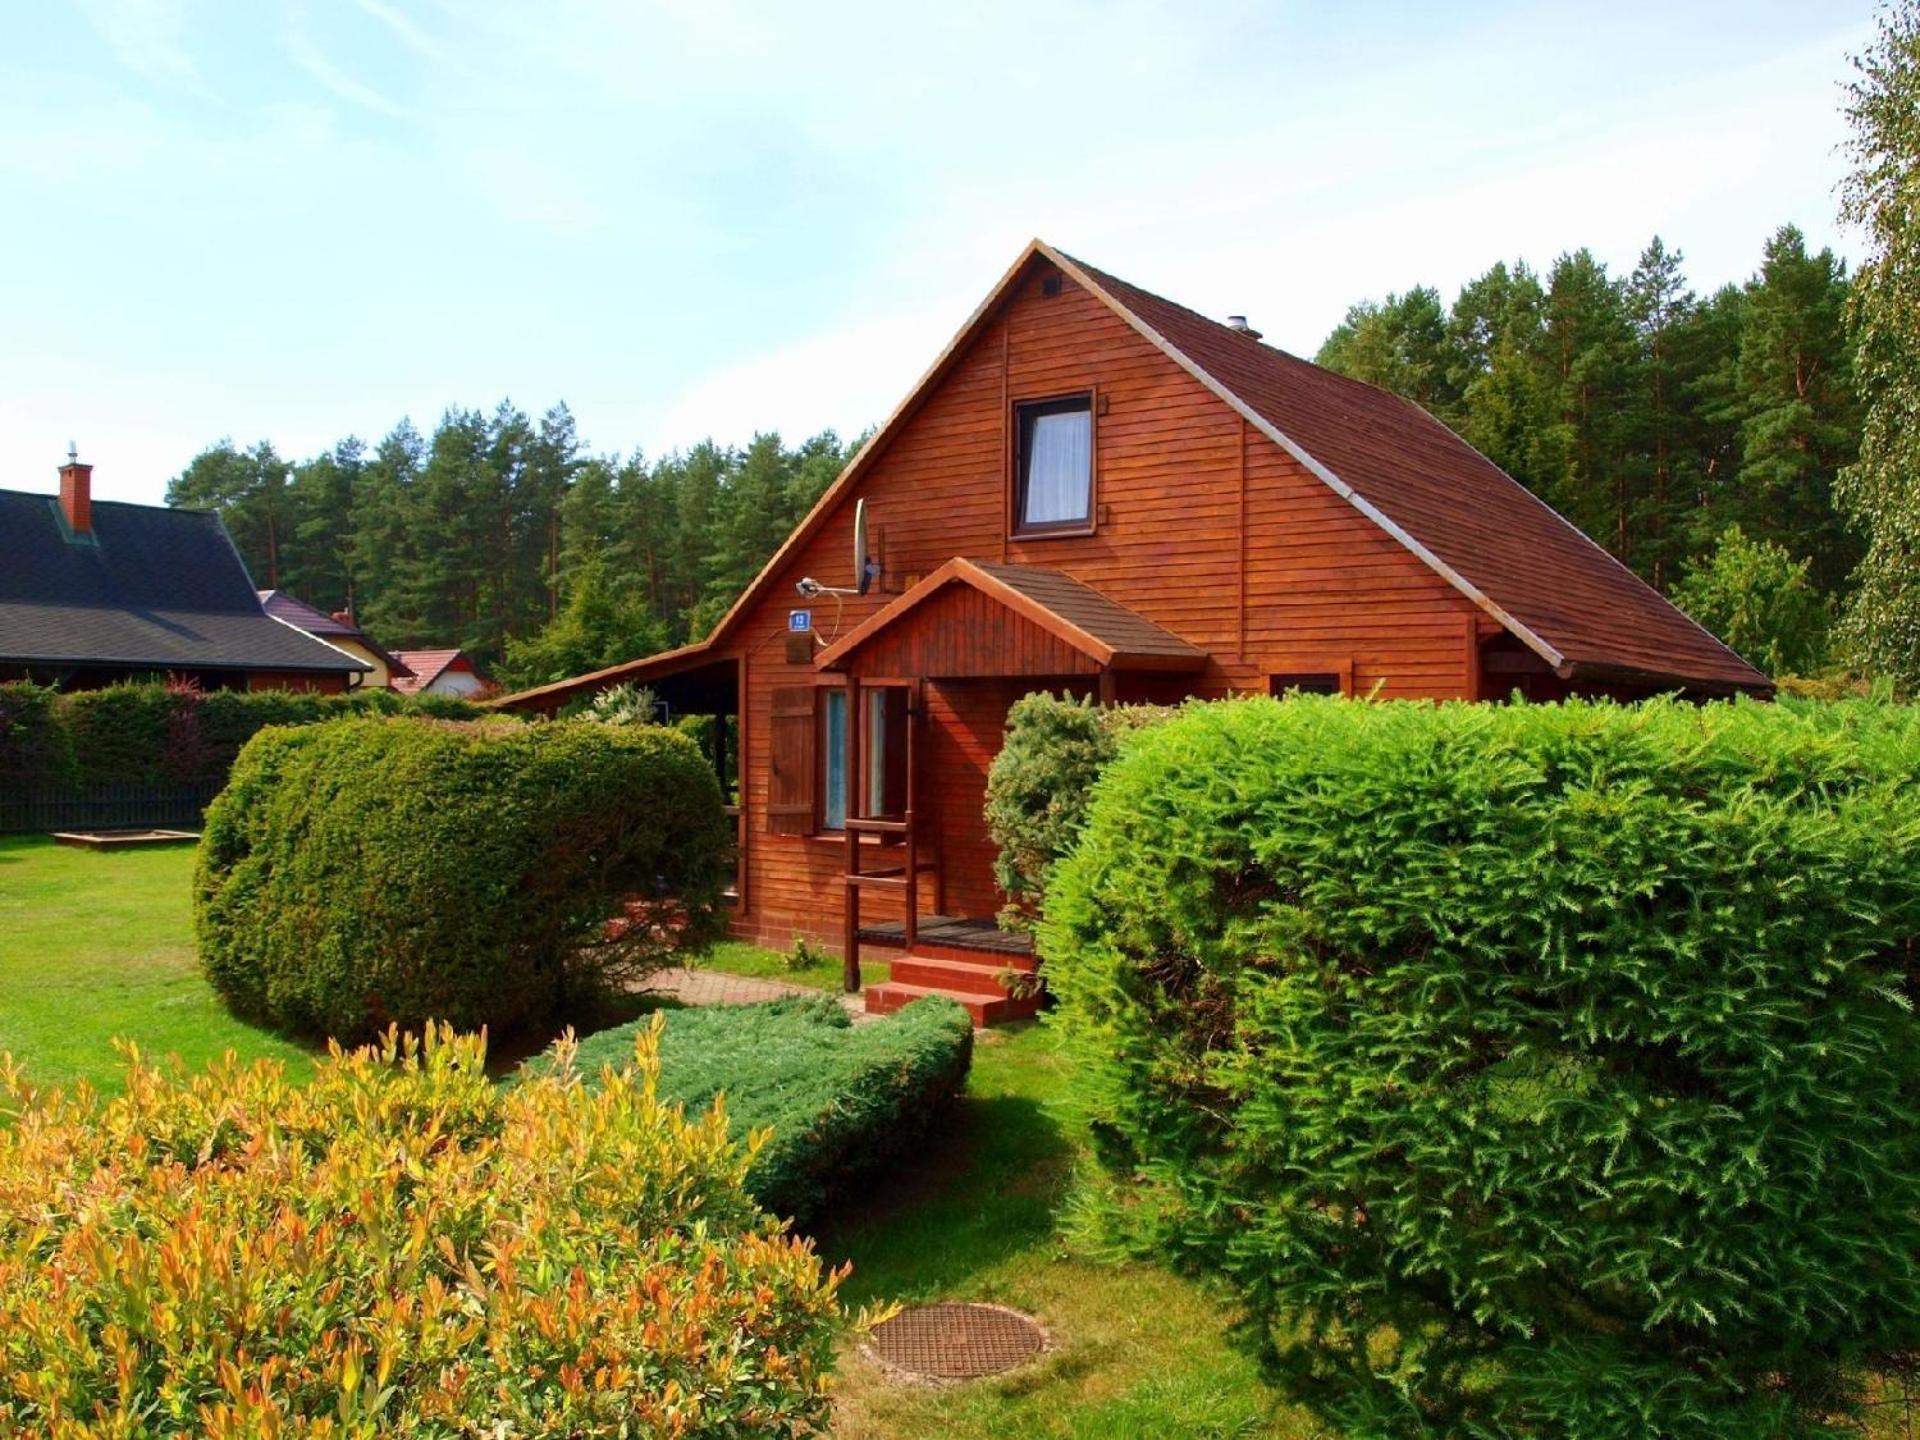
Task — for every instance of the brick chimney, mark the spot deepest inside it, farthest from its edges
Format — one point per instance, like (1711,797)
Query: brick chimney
(76,493)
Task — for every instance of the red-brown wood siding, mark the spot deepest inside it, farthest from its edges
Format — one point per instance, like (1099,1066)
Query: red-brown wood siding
(1303,580)
(959,633)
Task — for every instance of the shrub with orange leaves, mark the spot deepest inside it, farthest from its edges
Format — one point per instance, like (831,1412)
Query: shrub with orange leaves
(399,1247)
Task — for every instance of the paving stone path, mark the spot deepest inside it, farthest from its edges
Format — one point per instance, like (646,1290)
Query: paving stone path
(716,987)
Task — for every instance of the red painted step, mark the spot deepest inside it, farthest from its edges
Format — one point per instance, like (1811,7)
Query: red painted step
(968,954)
(886,998)
(976,976)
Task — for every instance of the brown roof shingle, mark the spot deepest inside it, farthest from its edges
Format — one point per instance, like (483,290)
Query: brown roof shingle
(1535,567)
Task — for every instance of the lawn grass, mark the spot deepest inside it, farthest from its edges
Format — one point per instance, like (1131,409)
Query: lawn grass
(96,945)
(1137,1353)
(736,957)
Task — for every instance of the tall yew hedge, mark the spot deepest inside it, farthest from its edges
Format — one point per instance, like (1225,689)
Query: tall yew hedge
(395,871)
(1529,1071)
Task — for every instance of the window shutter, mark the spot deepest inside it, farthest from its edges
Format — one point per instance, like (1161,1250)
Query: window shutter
(790,779)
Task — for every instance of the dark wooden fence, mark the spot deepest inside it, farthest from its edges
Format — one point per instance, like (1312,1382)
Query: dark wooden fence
(32,810)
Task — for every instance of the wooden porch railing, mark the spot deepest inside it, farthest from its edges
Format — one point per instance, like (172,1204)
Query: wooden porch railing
(904,877)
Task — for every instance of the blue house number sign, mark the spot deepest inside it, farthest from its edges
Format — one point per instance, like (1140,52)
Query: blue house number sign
(800,622)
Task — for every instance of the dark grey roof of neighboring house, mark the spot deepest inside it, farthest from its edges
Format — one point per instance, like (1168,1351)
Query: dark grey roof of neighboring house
(150,587)
(315,621)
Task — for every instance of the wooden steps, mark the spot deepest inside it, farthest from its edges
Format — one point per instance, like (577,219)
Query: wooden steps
(889,996)
(975,975)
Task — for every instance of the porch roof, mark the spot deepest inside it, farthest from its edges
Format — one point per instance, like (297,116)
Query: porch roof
(1106,633)
(691,678)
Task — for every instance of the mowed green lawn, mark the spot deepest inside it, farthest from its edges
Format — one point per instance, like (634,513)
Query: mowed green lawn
(99,945)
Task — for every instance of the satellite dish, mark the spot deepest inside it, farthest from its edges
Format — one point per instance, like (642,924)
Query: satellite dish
(863,568)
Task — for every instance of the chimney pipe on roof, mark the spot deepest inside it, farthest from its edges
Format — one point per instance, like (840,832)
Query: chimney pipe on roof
(76,493)
(1239,322)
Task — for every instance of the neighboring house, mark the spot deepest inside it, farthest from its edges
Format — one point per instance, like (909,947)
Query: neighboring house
(338,630)
(438,672)
(1095,490)
(96,591)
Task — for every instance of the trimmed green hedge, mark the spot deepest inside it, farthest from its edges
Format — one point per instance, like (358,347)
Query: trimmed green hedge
(35,747)
(156,735)
(1041,783)
(384,871)
(843,1101)
(1530,1071)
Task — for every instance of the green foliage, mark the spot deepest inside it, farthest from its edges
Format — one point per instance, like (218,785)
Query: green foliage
(1529,1070)
(501,534)
(400,1247)
(843,1101)
(399,870)
(1040,784)
(597,629)
(1879,493)
(35,748)
(1760,600)
(153,734)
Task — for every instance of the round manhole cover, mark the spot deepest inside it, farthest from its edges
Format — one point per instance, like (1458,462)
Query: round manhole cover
(956,1341)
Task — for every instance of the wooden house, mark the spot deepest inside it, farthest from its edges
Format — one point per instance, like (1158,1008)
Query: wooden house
(439,672)
(1098,491)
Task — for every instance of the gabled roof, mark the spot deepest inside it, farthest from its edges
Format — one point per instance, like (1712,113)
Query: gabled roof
(1491,538)
(147,587)
(291,609)
(423,667)
(1101,629)
(1487,535)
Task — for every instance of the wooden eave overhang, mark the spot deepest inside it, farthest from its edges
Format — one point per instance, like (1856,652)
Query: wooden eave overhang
(1106,632)
(647,668)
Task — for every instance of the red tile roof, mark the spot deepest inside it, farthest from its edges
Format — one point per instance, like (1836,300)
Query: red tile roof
(1488,534)
(425,665)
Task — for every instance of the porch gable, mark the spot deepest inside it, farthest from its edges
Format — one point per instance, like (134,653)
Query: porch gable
(971,619)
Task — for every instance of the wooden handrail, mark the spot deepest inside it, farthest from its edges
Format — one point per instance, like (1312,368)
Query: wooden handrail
(884,882)
(905,877)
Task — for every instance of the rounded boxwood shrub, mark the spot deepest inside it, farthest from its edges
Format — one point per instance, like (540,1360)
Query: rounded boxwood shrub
(1530,1071)
(400,1247)
(486,873)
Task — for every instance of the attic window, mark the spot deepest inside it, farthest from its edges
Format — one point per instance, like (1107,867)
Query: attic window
(1053,489)
(1305,683)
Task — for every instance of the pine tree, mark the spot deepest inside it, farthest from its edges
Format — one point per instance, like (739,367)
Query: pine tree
(1800,422)
(1404,345)
(249,490)
(1659,305)
(1591,343)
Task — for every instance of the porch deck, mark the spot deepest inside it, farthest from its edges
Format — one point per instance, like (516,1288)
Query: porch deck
(953,931)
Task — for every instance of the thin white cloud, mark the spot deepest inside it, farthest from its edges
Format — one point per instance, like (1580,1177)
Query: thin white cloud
(338,82)
(147,36)
(406,30)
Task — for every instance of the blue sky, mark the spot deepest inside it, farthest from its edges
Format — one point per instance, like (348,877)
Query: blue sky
(296,221)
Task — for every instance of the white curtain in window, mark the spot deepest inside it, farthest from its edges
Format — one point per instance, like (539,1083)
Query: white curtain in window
(878,801)
(1059,467)
(833,761)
